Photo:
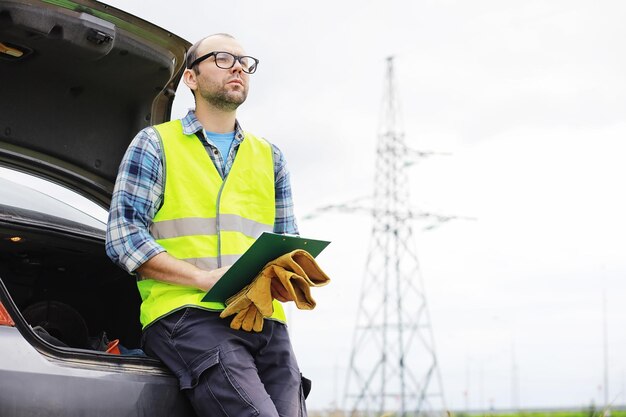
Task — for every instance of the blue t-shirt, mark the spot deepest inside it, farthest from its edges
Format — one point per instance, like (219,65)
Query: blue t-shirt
(223,141)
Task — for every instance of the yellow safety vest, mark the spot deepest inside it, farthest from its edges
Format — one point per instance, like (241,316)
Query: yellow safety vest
(205,220)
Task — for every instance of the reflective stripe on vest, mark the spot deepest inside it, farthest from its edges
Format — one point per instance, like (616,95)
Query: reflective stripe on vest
(203,226)
(205,220)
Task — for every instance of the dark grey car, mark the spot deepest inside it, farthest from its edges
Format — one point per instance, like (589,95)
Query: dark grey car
(77,80)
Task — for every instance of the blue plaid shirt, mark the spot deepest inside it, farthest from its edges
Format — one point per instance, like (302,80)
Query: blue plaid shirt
(138,194)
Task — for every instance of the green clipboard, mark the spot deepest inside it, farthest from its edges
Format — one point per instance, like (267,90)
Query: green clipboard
(267,247)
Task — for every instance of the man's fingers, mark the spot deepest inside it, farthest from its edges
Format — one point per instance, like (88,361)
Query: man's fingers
(219,272)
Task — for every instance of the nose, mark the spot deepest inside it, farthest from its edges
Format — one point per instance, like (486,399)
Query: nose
(237,67)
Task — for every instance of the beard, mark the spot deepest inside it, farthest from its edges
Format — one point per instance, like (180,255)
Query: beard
(223,99)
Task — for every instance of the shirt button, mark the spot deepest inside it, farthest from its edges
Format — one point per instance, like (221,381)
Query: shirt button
(215,151)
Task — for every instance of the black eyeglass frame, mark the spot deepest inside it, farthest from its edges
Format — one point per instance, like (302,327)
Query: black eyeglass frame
(236,58)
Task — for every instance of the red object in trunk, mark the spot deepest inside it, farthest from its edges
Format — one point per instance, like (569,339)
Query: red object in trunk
(5,318)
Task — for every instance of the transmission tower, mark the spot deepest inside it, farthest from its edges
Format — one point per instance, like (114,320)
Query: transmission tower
(393,367)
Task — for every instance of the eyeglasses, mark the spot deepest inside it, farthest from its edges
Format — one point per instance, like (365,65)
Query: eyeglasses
(226,60)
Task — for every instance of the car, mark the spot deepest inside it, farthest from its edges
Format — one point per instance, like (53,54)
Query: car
(78,80)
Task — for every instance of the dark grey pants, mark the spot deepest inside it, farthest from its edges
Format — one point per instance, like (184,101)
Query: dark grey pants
(227,372)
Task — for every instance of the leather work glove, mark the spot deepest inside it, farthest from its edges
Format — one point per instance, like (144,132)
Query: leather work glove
(303,264)
(247,314)
(296,272)
(236,303)
(260,292)
(248,319)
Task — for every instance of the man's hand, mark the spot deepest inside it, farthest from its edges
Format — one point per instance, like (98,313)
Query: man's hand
(207,279)
(166,268)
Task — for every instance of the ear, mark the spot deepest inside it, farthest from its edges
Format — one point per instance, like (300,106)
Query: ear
(189,78)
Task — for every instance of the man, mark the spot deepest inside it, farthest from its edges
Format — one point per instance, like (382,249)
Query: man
(191,196)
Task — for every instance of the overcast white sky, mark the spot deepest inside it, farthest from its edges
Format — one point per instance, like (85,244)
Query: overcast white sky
(529,98)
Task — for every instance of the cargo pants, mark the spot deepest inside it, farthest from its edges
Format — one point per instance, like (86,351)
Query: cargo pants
(226,372)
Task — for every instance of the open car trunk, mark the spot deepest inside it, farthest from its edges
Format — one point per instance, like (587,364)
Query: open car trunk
(62,296)
(78,80)
(63,283)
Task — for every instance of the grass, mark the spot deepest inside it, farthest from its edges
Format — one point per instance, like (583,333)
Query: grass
(583,412)
(587,412)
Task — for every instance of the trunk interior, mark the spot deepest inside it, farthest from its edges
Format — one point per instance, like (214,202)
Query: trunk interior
(67,285)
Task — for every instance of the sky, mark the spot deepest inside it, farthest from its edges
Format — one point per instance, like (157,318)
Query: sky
(525,100)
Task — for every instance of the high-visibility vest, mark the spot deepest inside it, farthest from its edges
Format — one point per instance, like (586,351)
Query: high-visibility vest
(205,220)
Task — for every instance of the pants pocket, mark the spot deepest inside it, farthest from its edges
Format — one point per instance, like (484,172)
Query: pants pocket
(215,391)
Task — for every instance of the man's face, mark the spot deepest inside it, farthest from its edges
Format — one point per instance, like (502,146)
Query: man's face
(224,89)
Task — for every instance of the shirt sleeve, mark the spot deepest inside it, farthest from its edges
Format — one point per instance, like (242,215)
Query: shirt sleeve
(137,195)
(285,222)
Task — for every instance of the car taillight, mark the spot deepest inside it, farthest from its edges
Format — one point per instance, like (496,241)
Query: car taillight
(5,318)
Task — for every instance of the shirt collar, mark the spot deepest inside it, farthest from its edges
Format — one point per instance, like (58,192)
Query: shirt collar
(191,125)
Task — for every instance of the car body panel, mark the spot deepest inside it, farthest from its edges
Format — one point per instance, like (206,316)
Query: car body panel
(31,384)
(37,378)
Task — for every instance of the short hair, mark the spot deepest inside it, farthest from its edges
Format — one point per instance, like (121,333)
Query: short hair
(192,53)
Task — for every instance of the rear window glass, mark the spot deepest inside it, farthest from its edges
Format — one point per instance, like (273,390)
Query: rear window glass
(24,191)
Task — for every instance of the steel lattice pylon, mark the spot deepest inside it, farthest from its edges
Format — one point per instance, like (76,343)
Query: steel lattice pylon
(393,367)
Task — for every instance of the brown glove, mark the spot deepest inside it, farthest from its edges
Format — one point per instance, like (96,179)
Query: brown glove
(303,264)
(246,312)
(236,303)
(296,271)
(260,292)
(248,316)
(248,319)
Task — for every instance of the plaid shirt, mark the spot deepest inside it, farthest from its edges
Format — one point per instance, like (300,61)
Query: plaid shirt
(138,194)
